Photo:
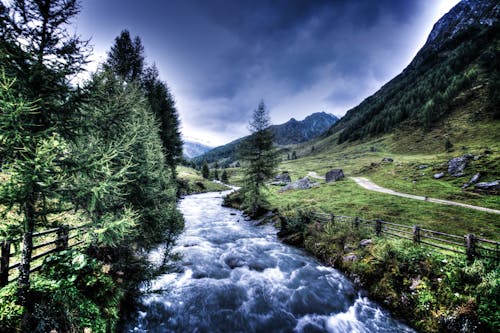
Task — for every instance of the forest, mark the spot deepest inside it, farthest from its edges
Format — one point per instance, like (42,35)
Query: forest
(99,152)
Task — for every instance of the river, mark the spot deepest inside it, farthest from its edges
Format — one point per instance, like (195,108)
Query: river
(234,276)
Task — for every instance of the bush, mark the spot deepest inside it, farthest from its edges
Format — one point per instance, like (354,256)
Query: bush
(73,292)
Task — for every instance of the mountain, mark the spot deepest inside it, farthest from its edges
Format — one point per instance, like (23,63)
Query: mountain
(459,64)
(291,132)
(193,149)
(294,131)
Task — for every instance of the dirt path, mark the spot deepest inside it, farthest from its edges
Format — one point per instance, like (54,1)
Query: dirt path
(369,185)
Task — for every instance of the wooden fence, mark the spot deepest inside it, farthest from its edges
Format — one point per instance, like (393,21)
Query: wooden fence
(469,245)
(44,243)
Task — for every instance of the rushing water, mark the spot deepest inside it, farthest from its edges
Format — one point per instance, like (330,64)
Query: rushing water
(237,277)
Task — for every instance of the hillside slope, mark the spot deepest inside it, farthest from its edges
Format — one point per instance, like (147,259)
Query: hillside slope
(460,55)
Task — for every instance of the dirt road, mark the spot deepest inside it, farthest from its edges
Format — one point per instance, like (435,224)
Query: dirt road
(369,185)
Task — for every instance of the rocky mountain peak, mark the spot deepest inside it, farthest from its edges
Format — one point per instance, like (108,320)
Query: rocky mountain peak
(464,15)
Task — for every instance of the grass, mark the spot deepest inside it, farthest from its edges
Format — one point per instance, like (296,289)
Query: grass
(193,182)
(348,199)
(469,130)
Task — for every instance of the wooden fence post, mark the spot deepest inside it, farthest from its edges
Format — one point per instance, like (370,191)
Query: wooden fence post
(62,238)
(378,227)
(356,222)
(4,263)
(470,243)
(416,234)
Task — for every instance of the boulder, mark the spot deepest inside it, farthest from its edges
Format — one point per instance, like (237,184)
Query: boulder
(491,186)
(334,175)
(472,181)
(301,184)
(365,242)
(422,166)
(438,175)
(457,165)
(351,257)
(387,160)
(282,178)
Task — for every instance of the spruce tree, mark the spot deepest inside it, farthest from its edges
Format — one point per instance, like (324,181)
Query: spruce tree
(162,104)
(43,57)
(224,177)
(205,171)
(260,159)
(126,57)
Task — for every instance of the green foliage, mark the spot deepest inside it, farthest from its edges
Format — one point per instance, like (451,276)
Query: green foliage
(162,105)
(126,57)
(141,188)
(224,178)
(10,311)
(260,159)
(205,171)
(74,292)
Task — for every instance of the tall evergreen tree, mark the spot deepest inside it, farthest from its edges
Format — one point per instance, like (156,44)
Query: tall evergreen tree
(126,57)
(224,178)
(43,57)
(205,171)
(162,104)
(260,159)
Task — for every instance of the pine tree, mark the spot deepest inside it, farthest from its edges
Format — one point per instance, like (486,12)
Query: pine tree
(163,106)
(205,172)
(260,159)
(224,178)
(42,56)
(126,57)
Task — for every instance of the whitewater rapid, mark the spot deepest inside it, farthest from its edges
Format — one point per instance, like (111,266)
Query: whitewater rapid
(234,276)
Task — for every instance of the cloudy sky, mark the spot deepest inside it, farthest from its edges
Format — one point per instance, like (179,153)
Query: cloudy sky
(221,57)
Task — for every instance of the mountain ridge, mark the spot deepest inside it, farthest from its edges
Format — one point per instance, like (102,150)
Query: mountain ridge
(291,132)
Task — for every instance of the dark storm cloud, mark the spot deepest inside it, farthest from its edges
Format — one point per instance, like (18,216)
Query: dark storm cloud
(221,57)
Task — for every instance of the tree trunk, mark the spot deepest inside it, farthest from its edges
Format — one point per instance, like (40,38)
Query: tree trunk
(24,267)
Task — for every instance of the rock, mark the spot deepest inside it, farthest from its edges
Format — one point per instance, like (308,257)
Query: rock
(301,184)
(438,175)
(365,242)
(296,239)
(472,181)
(278,183)
(422,166)
(351,257)
(387,160)
(491,186)
(283,178)
(457,165)
(334,175)
(415,282)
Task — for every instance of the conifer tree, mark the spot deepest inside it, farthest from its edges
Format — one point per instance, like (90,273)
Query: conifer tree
(224,177)
(126,57)
(162,104)
(260,159)
(42,56)
(205,172)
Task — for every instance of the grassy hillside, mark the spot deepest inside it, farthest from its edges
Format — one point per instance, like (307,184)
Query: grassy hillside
(426,91)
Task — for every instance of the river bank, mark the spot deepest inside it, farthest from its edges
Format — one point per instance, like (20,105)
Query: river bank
(432,291)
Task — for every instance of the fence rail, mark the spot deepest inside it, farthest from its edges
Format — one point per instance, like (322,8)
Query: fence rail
(468,245)
(44,243)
